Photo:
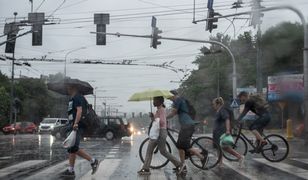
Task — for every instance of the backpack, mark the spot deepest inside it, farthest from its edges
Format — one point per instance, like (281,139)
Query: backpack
(89,117)
(191,110)
(260,102)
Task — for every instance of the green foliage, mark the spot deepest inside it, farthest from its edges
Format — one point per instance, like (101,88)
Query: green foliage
(281,49)
(4,106)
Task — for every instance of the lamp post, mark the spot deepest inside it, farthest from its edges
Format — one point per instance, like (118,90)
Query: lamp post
(67,55)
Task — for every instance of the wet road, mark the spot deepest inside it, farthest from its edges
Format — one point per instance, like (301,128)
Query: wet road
(33,157)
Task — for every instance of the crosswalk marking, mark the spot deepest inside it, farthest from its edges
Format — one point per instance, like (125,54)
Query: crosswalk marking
(105,170)
(300,160)
(296,171)
(12,169)
(50,172)
(241,171)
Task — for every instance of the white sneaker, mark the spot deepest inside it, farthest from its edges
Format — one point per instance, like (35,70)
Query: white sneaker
(241,161)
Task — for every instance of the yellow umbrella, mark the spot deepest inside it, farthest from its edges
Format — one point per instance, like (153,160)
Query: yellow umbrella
(149,94)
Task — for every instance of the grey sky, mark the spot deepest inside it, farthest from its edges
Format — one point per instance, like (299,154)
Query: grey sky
(122,81)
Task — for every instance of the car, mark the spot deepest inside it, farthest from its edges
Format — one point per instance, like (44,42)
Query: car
(48,124)
(20,127)
(109,127)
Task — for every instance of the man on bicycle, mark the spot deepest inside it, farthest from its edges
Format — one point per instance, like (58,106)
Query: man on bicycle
(187,128)
(258,105)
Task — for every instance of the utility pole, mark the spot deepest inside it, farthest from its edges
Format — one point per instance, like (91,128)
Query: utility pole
(12,80)
(256,22)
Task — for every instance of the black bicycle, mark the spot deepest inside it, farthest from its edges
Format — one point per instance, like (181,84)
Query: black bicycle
(276,149)
(205,144)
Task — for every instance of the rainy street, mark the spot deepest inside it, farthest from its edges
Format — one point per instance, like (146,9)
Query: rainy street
(41,156)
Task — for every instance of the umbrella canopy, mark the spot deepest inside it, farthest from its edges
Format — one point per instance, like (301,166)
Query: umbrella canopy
(61,86)
(149,95)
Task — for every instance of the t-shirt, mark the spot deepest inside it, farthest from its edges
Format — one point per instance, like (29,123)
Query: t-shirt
(220,119)
(76,101)
(250,105)
(182,109)
(161,114)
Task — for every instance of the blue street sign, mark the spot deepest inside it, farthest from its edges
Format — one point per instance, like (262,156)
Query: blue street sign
(210,4)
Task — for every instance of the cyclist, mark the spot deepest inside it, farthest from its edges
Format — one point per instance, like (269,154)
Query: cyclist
(222,126)
(259,106)
(187,128)
(161,141)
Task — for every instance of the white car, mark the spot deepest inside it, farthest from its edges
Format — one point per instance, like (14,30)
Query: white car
(48,124)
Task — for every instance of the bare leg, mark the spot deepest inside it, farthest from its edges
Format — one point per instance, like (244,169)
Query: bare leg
(83,154)
(71,159)
(258,136)
(196,152)
(233,152)
(182,155)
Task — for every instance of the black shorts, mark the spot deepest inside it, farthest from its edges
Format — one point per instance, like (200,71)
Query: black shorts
(185,136)
(261,122)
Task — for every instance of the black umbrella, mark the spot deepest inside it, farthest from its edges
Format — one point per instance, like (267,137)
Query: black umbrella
(61,86)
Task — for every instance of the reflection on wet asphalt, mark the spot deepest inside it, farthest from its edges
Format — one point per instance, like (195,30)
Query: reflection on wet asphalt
(22,147)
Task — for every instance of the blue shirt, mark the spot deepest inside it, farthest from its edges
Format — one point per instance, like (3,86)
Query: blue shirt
(182,109)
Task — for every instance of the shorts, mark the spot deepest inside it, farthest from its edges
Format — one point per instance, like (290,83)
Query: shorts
(185,136)
(75,148)
(260,123)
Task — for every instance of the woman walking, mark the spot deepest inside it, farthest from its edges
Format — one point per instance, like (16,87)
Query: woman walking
(160,141)
(222,126)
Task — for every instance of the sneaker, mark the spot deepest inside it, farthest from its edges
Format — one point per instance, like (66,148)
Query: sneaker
(95,166)
(68,173)
(144,172)
(241,162)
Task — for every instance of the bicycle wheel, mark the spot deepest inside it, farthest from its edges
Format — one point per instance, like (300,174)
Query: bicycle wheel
(158,160)
(277,148)
(209,149)
(239,146)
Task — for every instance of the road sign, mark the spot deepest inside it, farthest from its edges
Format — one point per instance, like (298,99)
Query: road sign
(234,104)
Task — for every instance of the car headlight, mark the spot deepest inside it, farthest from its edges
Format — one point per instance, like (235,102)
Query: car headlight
(52,127)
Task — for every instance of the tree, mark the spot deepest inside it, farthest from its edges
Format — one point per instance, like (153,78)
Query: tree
(4,106)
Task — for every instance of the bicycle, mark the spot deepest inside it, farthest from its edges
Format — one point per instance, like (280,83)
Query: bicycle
(206,145)
(276,149)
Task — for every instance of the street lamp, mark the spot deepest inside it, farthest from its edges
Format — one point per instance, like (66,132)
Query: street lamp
(67,55)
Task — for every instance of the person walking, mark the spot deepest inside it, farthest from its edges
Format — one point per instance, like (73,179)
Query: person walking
(180,108)
(160,141)
(76,105)
(222,125)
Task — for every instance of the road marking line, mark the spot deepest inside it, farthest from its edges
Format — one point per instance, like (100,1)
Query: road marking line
(113,152)
(296,171)
(110,156)
(300,160)
(240,171)
(105,170)
(17,167)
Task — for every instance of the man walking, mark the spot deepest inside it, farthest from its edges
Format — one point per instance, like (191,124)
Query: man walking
(76,104)
(180,108)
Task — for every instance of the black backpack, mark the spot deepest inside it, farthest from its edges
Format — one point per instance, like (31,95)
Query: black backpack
(89,117)
(191,110)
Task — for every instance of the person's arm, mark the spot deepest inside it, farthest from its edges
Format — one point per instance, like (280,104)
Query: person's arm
(172,113)
(78,117)
(245,111)
(228,126)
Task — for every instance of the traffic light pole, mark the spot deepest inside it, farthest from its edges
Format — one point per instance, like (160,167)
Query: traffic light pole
(234,80)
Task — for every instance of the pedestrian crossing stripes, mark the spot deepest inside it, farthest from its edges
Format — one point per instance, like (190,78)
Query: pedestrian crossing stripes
(294,168)
(17,167)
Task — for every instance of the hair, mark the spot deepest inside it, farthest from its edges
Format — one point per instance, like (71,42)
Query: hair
(219,101)
(242,93)
(174,92)
(161,100)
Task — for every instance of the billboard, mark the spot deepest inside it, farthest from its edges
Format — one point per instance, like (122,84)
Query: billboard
(286,87)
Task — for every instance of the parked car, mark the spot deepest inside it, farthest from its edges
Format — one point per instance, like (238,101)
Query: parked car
(109,127)
(48,124)
(20,127)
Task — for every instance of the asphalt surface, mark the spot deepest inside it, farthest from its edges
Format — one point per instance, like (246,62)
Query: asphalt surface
(33,157)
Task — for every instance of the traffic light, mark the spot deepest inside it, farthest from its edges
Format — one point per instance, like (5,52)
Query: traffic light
(37,20)
(11,30)
(211,20)
(155,34)
(101,20)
